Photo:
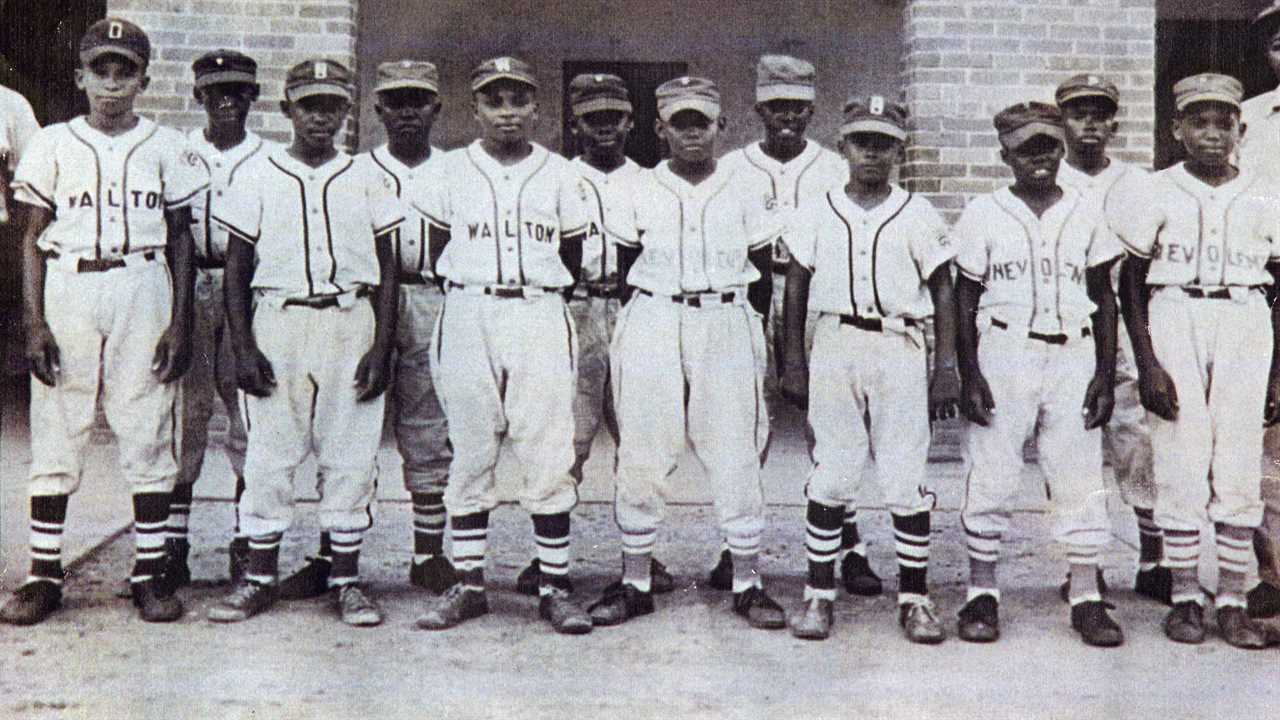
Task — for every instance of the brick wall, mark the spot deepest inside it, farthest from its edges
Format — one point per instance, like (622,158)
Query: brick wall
(276,34)
(965,60)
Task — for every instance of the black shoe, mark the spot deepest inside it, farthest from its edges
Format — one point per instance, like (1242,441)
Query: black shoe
(435,574)
(1095,626)
(530,579)
(722,574)
(660,580)
(155,602)
(1238,630)
(237,559)
(311,581)
(558,607)
(1185,623)
(858,577)
(177,573)
(31,603)
(980,620)
(243,602)
(1264,601)
(620,603)
(759,609)
(456,606)
(1156,583)
(1064,590)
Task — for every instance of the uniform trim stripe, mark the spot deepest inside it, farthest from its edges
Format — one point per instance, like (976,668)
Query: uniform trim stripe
(493,194)
(185,199)
(848,229)
(875,248)
(247,237)
(97,193)
(231,176)
(124,187)
(328,225)
(373,155)
(306,228)
(520,216)
(31,188)
(680,205)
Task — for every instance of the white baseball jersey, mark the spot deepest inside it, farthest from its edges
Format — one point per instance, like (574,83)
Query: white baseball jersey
(1099,191)
(313,228)
(17,126)
(509,235)
(1033,268)
(1259,149)
(412,253)
(222,166)
(696,238)
(608,202)
(878,261)
(108,193)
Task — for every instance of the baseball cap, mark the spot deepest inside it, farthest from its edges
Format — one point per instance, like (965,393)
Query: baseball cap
(503,68)
(115,36)
(1019,123)
(402,74)
(1266,23)
(781,77)
(874,114)
(317,77)
(1206,87)
(1085,86)
(591,93)
(224,66)
(688,93)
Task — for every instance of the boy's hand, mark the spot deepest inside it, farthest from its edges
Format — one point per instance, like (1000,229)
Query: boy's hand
(253,371)
(173,354)
(1099,401)
(373,374)
(1157,392)
(944,394)
(975,400)
(794,386)
(43,354)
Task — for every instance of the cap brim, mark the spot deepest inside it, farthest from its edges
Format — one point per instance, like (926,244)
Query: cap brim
(602,104)
(1016,138)
(226,76)
(298,92)
(1207,96)
(406,85)
(880,127)
(518,77)
(1064,98)
(92,54)
(765,93)
(708,108)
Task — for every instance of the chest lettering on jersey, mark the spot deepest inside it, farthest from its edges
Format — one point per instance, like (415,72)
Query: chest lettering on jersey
(532,231)
(593,230)
(1016,269)
(133,199)
(1175,253)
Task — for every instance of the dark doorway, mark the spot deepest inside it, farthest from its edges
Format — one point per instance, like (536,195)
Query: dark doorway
(642,78)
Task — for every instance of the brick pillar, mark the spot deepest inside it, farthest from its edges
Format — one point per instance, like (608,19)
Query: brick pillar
(278,34)
(965,60)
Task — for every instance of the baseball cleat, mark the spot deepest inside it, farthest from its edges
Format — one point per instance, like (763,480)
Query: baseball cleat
(858,577)
(243,602)
(1264,601)
(1156,583)
(177,573)
(813,621)
(1064,590)
(435,574)
(1095,626)
(759,609)
(458,604)
(660,579)
(31,603)
(1238,630)
(980,620)
(1185,623)
(620,603)
(566,616)
(155,602)
(530,579)
(311,581)
(721,577)
(237,559)
(919,622)
(355,607)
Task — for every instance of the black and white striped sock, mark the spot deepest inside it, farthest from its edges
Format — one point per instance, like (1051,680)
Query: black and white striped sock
(48,518)
(428,525)
(551,532)
(346,556)
(150,516)
(911,540)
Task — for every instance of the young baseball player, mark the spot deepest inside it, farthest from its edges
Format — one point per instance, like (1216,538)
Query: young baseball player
(17,126)
(108,198)
(875,262)
(508,228)
(1204,244)
(602,120)
(790,172)
(225,86)
(687,357)
(1089,104)
(1035,288)
(311,292)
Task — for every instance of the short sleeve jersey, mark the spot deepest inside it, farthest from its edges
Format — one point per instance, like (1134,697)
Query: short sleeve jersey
(609,203)
(873,263)
(223,166)
(313,228)
(1259,149)
(506,222)
(697,238)
(1196,234)
(17,126)
(1033,268)
(407,183)
(108,193)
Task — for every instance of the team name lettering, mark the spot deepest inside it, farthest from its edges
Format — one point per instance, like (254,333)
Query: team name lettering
(133,199)
(530,231)
(1047,271)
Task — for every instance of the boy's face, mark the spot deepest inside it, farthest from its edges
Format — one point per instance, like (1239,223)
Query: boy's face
(506,110)
(1090,122)
(871,156)
(690,135)
(785,119)
(602,130)
(111,83)
(1035,162)
(407,113)
(316,119)
(1209,131)
(1272,49)
(227,103)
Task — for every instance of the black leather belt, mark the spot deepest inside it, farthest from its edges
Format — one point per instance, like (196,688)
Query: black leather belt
(322,302)
(1051,338)
(85,265)
(870,324)
(696,299)
(1201,293)
(500,291)
(601,291)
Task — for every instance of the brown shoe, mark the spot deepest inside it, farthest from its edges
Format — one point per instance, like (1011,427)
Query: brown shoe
(31,603)
(759,609)
(1238,630)
(1185,623)
(980,620)
(155,602)
(920,623)
(456,606)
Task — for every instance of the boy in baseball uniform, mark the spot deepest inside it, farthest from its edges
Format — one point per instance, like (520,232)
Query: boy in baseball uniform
(311,294)
(602,121)
(17,126)
(1203,246)
(688,353)
(108,198)
(226,87)
(507,227)
(874,262)
(790,172)
(1035,286)
(1089,104)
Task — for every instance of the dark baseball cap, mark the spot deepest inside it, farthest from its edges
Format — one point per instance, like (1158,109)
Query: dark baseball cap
(874,114)
(318,77)
(688,93)
(1207,87)
(590,93)
(1019,123)
(782,77)
(503,68)
(408,74)
(224,66)
(115,36)
(1085,86)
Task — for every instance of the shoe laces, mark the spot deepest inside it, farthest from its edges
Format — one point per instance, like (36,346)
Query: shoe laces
(922,607)
(243,593)
(353,599)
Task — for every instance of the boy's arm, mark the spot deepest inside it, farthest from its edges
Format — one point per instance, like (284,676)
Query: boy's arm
(1272,415)
(760,292)
(571,256)
(627,256)
(373,374)
(173,351)
(42,348)
(1099,399)
(253,371)
(794,384)
(1155,387)
(944,386)
(975,398)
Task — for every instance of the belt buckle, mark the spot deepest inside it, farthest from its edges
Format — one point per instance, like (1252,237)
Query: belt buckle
(693,301)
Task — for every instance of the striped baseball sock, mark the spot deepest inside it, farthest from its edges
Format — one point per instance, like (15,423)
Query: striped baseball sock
(822,535)
(239,494)
(345,545)
(551,532)
(911,540)
(150,514)
(745,552)
(469,536)
(428,525)
(179,514)
(264,559)
(850,540)
(48,517)
(1235,558)
(637,559)
(984,553)
(1150,540)
(1083,575)
(1182,557)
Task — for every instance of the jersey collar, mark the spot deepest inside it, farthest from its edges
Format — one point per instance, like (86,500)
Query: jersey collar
(628,169)
(281,156)
(143,128)
(889,206)
(756,154)
(485,161)
(251,143)
(383,155)
(1055,215)
(710,186)
(1197,187)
